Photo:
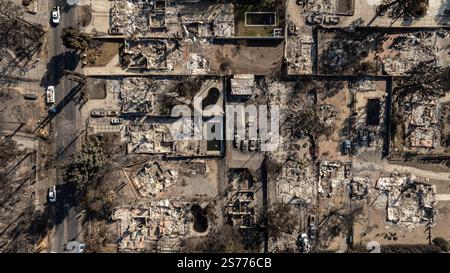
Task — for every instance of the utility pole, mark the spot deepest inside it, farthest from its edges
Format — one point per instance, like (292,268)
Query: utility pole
(430,224)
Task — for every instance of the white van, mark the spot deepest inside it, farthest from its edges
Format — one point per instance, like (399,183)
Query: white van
(51,94)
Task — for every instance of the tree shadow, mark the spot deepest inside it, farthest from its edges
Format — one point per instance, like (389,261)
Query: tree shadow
(57,64)
(443,15)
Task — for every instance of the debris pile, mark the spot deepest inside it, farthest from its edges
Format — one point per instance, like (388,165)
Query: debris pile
(147,54)
(359,188)
(406,51)
(198,65)
(218,17)
(146,227)
(410,200)
(161,138)
(154,178)
(241,199)
(242,84)
(150,139)
(137,16)
(319,7)
(363,85)
(137,95)
(157,177)
(296,184)
(422,123)
(333,175)
(299,55)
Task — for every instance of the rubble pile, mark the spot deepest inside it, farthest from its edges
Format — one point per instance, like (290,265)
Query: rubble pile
(333,175)
(359,187)
(242,84)
(319,7)
(296,184)
(422,123)
(150,139)
(407,51)
(122,17)
(217,17)
(363,85)
(162,138)
(145,54)
(143,227)
(137,95)
(137,17)
(153,178)
(157,177)
(410,200)
(299,55)
(241,200)
(198,65)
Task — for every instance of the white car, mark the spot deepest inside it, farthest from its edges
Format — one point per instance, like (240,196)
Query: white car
(52,194)
(56,16)
(50,94)
(115,121)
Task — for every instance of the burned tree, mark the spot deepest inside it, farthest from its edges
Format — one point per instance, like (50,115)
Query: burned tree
(397,9)
(426,80)
(74,39)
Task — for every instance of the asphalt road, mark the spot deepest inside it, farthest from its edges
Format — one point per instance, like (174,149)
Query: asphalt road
(65,216)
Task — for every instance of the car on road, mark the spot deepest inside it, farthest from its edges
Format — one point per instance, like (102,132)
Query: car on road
(236,141)
(312,220)
(115,121)
(113,113)
(252,145)
(52,194)
(98,113)
(56,15)
(75,247)
(312,233)
(50,94)
(244,145)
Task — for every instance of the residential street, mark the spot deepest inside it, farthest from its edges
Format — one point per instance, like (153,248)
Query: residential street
(65,127)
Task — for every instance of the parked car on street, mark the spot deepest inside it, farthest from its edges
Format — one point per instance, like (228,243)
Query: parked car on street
(56,15)
(113,113)
(98,113)
(236,140)
(115,121)
(75,247)
(52,194)
(50,94)
(252,144)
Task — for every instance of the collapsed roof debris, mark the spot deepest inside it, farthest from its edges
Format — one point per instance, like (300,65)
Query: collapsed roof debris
(147,227)
(422,123)
(319,7)
(241,198)
(359,187)
(299,55)
(157,177)
(157,138)
(333,175)
(146,18)
(137,95)
(406,51)
(152,179)
(197,64)
(129,17)
(296,184)
(145,54)
(242,84)
(410,200)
